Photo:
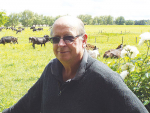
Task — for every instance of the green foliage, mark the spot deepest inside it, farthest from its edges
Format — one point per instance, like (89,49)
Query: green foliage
(13,20)
(120,20)
(27,18)
(86,19)
(129,22)
(3,18)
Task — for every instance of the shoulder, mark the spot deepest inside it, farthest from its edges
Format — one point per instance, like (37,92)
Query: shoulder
(98,71)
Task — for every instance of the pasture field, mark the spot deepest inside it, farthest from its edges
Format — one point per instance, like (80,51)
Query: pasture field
(21,65)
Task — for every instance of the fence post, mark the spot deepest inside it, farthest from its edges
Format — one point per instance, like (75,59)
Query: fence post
(136,39)
(95,39)
(122,39)
(121,32)
(107,39)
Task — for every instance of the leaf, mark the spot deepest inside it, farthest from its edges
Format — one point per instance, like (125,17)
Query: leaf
(146,102)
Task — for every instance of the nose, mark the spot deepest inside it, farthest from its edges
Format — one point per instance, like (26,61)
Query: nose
(61,42)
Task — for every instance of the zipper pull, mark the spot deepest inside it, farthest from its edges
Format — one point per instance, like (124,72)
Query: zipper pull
(59,93)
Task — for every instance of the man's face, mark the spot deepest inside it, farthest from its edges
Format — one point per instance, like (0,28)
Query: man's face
(67,52)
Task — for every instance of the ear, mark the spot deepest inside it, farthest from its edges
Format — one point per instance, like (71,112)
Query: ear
(84,40)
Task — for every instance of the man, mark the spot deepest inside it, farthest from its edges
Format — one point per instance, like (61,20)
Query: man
(74,82)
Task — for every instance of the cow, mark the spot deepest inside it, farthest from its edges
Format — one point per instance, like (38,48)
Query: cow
(92,50)
(35,30)
(91,47)
(40,29)
(30,39)
(8,28)
(32,27)
(39,40)
(8,39)
(22,28)
(19,30)
(114,53)
(14,29)
(45,36)
(0,29)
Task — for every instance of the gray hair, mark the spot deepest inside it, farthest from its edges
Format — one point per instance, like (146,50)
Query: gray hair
(80,25)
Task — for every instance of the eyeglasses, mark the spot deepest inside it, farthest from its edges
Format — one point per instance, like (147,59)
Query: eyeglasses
(66,39)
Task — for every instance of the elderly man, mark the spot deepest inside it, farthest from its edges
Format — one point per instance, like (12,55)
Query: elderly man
(74,82)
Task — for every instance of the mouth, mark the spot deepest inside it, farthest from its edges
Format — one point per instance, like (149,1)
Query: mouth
(62,52)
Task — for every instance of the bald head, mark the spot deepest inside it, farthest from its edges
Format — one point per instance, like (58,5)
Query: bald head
(71,22)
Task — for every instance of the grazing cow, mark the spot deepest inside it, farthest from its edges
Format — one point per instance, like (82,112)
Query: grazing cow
(8,28)
(22,28)
(90,47)
(39,40)
(92,50)
(19,30)
(1,29)
(30,39)
(35,30)
(114,53)
(47,37)
(8,39)
(32,27)
(14,29)
(40,29)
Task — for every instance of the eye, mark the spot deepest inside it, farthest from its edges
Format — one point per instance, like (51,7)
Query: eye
(69,38)
(55,40)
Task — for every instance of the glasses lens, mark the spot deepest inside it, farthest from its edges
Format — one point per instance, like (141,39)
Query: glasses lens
(68,39)
(55,40)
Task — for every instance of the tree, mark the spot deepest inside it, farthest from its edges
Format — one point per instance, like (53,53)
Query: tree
(36,19)
(87,19)
(3,18)
(109,20)
(14,19)
(129,22)
(140,22)
(49,20)
(120,20)
(96,21)
(27,18)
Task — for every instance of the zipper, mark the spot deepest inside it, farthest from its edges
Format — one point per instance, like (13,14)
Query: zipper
(62,87)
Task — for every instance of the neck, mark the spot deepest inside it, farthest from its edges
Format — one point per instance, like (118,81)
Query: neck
(69,70)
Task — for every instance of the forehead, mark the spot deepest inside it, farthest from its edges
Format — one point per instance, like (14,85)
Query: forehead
(63,28)
(65,24)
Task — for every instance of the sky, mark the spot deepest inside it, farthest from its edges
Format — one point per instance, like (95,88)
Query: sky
(129,9)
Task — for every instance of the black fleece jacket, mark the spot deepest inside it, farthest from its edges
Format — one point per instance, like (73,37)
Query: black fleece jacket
(94,89)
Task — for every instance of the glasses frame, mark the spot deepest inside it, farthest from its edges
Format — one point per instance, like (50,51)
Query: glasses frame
(74,38)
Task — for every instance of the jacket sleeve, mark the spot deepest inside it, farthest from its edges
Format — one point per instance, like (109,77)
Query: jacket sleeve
(120,98)
(31,101)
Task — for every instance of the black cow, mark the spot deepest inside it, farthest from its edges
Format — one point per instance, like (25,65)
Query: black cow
(22,28)
(35,30)
(30,39)
(39,40)
(14,29)
(1,28)
(8,28)
(19,30)
(8,39)
(40,29)
(32,27)
(46,36)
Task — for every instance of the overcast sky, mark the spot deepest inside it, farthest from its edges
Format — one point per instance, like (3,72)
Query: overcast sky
(129,9)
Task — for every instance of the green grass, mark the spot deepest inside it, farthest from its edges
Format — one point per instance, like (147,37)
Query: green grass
(21,65)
